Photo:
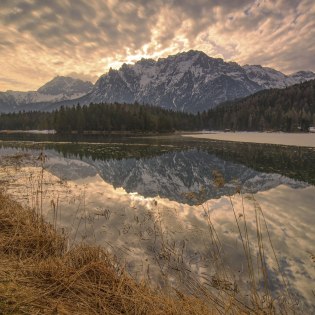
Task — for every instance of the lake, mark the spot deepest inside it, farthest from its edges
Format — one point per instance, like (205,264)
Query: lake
(281,138)
(180,211)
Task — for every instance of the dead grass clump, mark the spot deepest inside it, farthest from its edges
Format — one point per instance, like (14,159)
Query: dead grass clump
(38,275)
(24,234)
(85,279)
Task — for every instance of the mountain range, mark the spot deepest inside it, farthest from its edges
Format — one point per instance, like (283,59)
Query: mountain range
(189,81)
(58,89)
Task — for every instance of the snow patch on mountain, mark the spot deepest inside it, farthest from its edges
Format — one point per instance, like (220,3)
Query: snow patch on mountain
(188,81)
(58,89)
(269,78)
(302,76)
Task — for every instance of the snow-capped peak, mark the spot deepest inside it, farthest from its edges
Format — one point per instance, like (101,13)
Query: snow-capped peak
(58,89)
(302,76)
(65,85)
(188,81)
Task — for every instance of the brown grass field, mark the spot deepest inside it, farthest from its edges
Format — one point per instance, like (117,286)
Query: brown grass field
(38,275)
(41,274)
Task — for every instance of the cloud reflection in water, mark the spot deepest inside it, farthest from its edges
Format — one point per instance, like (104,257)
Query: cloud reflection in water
(169,241)
(165,239)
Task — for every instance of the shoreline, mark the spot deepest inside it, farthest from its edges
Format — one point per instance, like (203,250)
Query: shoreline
(31,234)
(277,138)
(40,274)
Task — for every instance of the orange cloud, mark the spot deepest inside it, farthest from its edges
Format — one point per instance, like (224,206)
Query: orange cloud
(40,39)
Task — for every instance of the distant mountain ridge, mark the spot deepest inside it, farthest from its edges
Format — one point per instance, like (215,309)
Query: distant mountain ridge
(188,81)
(58,89)
(289,109)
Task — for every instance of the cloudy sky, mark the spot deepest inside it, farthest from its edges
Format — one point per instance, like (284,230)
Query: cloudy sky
(40,39)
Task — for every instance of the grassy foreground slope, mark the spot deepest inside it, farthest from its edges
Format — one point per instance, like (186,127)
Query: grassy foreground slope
(39,275)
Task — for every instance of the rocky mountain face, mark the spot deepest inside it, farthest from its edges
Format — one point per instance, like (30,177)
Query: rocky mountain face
(66,86)
(268,78)
(189,81)
(58,89)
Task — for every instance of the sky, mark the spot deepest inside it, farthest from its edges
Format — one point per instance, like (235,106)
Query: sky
(40,39)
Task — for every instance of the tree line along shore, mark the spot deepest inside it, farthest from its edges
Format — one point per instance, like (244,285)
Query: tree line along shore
(291,109)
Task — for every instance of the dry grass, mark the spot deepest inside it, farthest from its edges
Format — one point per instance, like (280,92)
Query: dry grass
(39,276)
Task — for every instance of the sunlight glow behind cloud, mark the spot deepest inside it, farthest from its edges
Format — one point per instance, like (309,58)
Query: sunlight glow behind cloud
(40,39)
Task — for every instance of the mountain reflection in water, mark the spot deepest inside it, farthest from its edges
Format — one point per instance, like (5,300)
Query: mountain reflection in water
(187,176)
(151,212)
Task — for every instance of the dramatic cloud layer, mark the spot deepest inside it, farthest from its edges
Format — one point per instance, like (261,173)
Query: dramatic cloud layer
(42,38)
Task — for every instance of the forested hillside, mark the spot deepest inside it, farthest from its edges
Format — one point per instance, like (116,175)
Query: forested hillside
(289,109)
(102,117)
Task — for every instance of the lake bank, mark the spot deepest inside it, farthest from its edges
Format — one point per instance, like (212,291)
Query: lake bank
(290,139)
(40,274)
(143,209)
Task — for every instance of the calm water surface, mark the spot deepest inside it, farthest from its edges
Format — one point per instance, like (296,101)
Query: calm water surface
(293,139)
(168,207)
